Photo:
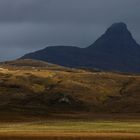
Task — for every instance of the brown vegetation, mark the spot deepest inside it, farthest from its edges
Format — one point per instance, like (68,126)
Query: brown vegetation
(59,89)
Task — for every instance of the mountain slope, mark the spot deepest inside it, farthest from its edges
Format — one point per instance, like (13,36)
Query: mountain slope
(62,55)
(115,50)
(44,91)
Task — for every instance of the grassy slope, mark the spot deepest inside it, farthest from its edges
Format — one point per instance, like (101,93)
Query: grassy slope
(71,129)
(53,88)
(39,90)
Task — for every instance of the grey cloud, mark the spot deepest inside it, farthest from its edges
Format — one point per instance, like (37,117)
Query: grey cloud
(28,25)
(88,11)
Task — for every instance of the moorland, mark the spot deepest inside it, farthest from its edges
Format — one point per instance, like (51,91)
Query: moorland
(39,100)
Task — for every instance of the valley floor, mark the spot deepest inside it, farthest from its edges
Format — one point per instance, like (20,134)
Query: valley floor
(105,127)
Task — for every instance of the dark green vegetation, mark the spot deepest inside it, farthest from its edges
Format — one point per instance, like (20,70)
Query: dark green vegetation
(115,50)
(49,89)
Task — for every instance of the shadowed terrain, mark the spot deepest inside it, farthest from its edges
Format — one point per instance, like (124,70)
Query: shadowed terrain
(115,50)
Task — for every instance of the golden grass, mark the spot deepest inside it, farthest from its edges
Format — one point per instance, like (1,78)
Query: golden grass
(71,129)
(99,90)
(73,126)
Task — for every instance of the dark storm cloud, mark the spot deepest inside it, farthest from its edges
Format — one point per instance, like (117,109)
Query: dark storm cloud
(28,25)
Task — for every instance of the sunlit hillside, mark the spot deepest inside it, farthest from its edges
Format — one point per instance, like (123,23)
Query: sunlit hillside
(31,86)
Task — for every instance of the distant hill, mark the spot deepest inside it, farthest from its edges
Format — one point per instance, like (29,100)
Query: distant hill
(27,62)
(115,50)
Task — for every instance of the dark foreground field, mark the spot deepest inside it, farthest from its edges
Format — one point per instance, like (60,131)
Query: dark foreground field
(71,136)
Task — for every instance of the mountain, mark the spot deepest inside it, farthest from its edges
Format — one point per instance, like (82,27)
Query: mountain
(62,55)
(115,50)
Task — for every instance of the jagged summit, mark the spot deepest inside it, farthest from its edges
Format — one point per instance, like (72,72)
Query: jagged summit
(119,30)
(120,26)
(116,36)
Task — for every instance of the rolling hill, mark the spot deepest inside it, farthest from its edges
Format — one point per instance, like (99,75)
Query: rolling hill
(44,90)
(115,50)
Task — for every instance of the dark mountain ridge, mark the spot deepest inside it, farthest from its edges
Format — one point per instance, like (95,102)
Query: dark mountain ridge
(115,50)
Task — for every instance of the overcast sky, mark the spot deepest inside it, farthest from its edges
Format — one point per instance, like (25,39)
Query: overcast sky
(28,25)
